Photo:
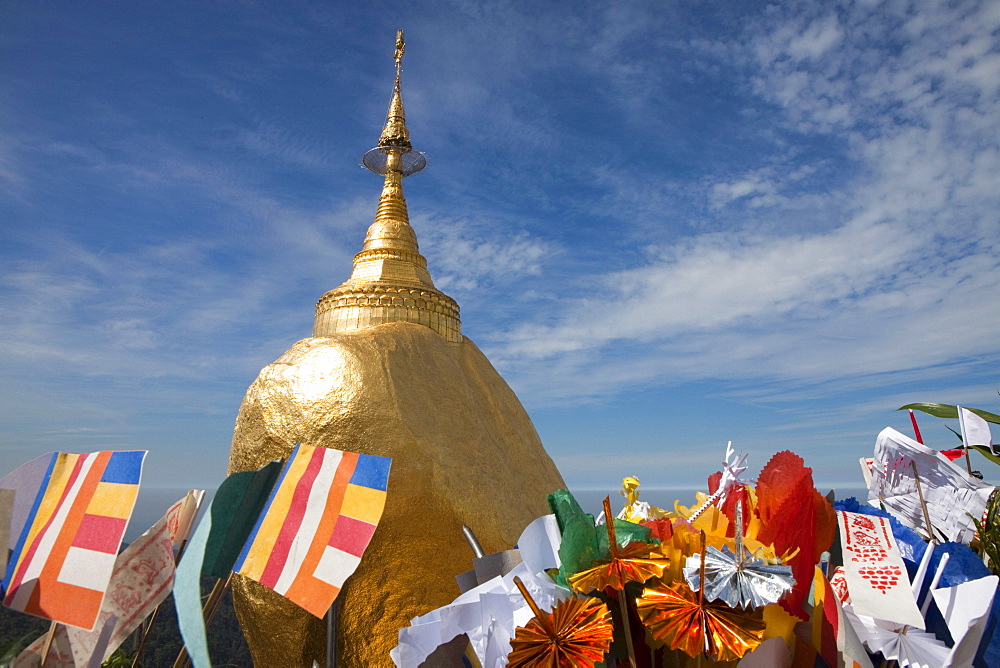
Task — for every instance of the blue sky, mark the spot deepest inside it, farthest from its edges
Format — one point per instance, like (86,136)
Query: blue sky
(668,225)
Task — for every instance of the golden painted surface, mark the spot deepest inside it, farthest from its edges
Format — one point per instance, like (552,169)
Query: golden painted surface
(390,281)
(463,452)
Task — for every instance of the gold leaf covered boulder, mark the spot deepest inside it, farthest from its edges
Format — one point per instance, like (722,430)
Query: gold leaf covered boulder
(388,372)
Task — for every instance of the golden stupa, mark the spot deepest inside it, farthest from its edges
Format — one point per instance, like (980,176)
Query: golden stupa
(388,372)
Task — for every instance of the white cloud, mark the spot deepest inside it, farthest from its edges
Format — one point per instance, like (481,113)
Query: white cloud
(465,255)
(881,292)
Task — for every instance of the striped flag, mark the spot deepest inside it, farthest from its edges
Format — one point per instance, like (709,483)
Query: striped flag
(316,525)
(66,552)
(142,579)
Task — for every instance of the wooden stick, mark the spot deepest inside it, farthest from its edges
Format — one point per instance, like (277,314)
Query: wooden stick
(701,594)
(207,611)
(217,603)
(48,642)
(609,523)
(152,616)
(923,504)
(543,619)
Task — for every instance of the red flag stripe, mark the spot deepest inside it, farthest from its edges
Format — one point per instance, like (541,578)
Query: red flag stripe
(289,529)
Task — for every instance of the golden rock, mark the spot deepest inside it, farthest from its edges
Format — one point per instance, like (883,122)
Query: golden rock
(388,372)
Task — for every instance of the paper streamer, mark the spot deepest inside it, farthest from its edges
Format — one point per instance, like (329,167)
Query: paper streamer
(953,497)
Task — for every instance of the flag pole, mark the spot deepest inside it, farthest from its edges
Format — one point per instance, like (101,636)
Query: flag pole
(331,634)
(916,429)
(208,612)
(965,442)
(217,603)
(48,642)
(923,504)
(609,523)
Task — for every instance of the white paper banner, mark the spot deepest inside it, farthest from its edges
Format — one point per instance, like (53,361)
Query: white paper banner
(876,577)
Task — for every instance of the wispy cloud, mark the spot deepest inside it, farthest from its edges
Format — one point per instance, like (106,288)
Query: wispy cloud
(904,281)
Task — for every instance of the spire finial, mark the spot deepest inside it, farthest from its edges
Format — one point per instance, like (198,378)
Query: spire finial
(390,281)
(394,152)
(400,49)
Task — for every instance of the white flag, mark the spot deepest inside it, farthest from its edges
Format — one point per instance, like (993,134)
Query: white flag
(975,430)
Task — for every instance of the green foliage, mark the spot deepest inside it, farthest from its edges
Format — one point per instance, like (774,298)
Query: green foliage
(949,411)
(989,533)
(119,659)
(10,649)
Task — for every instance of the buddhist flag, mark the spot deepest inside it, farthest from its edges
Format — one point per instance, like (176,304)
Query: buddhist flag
(316,525)
(142,579)
(66,552)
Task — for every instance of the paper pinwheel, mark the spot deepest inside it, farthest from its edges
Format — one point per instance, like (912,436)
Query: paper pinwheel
(637,562)
(738,578)
(634,563)
(739,581)
(577,632)
(678,617)
(684,620)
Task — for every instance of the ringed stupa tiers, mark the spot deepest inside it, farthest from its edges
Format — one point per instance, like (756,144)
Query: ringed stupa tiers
(390,282)
(388,372)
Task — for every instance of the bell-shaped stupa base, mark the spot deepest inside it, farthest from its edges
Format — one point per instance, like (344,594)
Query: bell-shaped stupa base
(463,451)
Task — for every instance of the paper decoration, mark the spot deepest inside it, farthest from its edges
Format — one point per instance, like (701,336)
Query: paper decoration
(953,497)
(908,646)
(577,632)
(738,580)
(677,617)
(488,614)
(67,549)
(539,544)
(794,516)
(838,582)
(729,480)
(316,525)
(975,430)
(142,579)
(833,636)
(876,577)
(215,544)
(966,609)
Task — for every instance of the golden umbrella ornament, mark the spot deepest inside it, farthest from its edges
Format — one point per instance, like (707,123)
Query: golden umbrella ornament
(576,633)
(683,620)
(634,563)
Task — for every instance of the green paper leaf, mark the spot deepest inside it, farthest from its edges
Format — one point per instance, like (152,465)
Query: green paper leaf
(985,452)
(949,411)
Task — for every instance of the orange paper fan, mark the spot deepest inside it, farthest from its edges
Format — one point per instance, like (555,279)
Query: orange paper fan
(577,632)
(674,616)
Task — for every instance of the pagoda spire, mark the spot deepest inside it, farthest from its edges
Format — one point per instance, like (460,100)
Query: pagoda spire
(390,281)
